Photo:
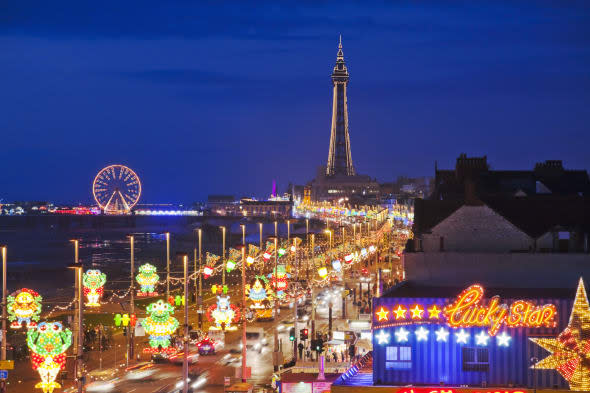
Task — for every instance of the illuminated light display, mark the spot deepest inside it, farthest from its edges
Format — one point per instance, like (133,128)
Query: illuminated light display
(569,352)
(468,311)
(363,253)
(258,291)
(503,339)
(382,337)
(382,314)
(372,249)
(434,312)
(159,325)
(323,272)
(417,311)
(400,312)
(348,258)
(481,338)
(207,272)
(462,336)
(147,278)
(421,334)
(452,390)
(230,265)
(219,289)
(23,305)
(281,252)
(116,189)
(293,248)
(401,335)
(234,256)
(280,283)
(337,265)
(48,344)
(249,260)
(223,313)
(93,282)
(442,334)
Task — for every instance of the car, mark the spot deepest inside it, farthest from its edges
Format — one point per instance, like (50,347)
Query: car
(178,357)
(195,382)
(206,346)
(102,386)
(140,372)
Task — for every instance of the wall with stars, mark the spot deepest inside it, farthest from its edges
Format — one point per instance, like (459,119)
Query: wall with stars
(414,345)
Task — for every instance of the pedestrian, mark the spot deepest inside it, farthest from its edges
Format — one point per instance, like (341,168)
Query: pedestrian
(300,347)
(335,357)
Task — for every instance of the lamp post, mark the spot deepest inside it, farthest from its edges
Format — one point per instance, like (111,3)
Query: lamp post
(132,303)
(185,338)
(223,256)
(3,355)
(79,348)
(276,314)
(313,305)
(329,232)
(200,297)
(260,226)
(167,265)
(243,234)
(288,231)
(307,230)
(244,311)
(276,229)
(296,301)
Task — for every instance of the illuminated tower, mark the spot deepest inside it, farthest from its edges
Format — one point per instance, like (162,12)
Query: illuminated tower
(339,158)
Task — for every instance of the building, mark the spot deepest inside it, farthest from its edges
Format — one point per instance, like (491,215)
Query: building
(547,178)
(272,208)
(222,205)
(338,179)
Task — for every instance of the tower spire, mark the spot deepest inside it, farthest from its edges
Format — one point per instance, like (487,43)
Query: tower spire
(339,157)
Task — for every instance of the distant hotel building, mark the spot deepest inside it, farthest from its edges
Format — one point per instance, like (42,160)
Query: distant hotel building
(338,179)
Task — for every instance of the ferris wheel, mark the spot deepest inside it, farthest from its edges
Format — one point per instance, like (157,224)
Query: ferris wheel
(116,189)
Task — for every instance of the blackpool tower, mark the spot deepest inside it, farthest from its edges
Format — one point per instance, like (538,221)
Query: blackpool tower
(339,157)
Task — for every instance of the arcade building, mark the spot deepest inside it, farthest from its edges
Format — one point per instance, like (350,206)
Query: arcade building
(474,339)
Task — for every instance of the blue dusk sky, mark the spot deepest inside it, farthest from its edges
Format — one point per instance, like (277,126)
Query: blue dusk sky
(202,97)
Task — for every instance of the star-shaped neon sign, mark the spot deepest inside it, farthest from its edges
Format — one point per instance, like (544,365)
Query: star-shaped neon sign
(401,335)
(382,314)
(503,339)
(421,334)
(442,334)
(400,312)
(462,336)
(382,337)
(417,312)
(434,312)
(482,338)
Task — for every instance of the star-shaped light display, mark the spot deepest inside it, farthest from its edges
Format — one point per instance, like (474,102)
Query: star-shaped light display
(400,312)
(417,312)
(442,334)
(401,335)
(382,314)
(462,336)
(482,338)
(569,352)
(421,334)
(382,337)
(503,339)
(434,312)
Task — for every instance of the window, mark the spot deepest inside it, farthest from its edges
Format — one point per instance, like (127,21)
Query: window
(475,359)
(398,358)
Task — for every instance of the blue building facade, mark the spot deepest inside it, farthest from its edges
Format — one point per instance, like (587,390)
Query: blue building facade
(433,336)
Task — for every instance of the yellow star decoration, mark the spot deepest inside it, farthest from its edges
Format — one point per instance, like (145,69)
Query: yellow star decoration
(417,312)
(400,312)
(433,312)
(382,314)
(570,351)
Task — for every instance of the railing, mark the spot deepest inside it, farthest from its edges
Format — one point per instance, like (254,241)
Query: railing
(354,369)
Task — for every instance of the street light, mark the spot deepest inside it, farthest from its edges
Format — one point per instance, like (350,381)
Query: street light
(329,231)
(244,311)
(223,256)
(185,338)
(200,297)
(260,226)
(167,265)
(132,290)
(288,230)
(3,351)
(79,350)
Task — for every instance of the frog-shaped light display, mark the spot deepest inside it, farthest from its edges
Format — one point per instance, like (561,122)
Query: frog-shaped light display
(93,281)
(147,279)
(48,344)
(160,325)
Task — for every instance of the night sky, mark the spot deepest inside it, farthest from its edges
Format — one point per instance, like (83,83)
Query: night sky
(224,97)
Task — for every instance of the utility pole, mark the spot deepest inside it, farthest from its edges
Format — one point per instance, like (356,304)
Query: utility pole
(260,225)
(276,333)
(296,301)
(195,270)
(244,310)
(167,265)
(80,321)
(132,303)
(185,339)
(313,305)
(243,234)
(3,303)
(288,231)
(200,298)
(223,257)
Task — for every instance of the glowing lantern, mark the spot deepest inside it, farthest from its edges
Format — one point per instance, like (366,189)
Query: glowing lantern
(282,252)
(337,265)
(323,272)
(207,271)
(24,305)
(249,260)
(147,279)
(223,313)
(364,253)
(372,249)
(279,283)
(93,282)
(160,325)
(266,255)
(348,258)
(48,344)
(230,265)
(293,248)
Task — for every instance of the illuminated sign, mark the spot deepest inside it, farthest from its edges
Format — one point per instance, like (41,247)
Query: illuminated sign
(469,310)
(451,390)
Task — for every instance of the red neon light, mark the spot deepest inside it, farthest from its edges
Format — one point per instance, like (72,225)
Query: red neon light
(452,390)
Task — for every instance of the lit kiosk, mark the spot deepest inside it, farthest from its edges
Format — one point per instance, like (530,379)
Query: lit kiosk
(448,340)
